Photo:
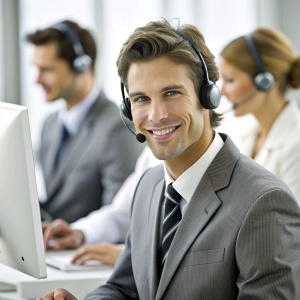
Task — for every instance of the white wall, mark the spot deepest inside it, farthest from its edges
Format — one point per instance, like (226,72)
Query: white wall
(1,55)
(120,18)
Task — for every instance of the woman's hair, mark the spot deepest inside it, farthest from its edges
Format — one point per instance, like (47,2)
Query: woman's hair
(276,53)
(160,39)
(65,47)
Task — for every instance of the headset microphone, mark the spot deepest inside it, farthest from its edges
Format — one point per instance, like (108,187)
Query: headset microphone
(140,137)
(239,104)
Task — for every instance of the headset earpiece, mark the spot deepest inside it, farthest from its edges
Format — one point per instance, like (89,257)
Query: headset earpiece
(210,95)
(125,105)
(264,81)
(82,62)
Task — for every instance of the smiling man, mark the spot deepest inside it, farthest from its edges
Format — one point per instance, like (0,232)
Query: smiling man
(209,223)
(86,152)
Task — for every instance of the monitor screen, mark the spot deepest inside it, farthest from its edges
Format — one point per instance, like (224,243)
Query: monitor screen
(21,238)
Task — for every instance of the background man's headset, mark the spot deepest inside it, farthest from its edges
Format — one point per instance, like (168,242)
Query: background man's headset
(210,95)
(264,81)
(82,62)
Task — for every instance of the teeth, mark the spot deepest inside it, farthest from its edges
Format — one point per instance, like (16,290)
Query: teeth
(164,132)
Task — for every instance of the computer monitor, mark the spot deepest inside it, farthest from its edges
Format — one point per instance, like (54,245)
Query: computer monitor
(21,238)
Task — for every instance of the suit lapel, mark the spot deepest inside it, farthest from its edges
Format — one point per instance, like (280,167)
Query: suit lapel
(55,137)
(73,151)
(200,210)
(153,236)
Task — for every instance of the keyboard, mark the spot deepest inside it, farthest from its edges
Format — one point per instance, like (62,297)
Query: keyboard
(61,260)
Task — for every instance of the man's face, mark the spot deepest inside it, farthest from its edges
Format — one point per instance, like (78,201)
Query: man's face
(54,74)
(166,109)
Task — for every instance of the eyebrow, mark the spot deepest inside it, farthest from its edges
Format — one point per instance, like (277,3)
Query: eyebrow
(167,88)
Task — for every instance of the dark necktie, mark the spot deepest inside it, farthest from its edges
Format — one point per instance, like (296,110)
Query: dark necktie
(63,141)
(171,221)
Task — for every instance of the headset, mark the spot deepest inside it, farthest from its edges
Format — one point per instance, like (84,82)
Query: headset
(210,95)
(82,62)
(264,81)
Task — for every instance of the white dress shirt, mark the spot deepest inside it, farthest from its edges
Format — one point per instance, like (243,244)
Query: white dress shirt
(73,118)
(188,181)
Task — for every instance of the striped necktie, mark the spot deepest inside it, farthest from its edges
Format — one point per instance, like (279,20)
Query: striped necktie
(171,222)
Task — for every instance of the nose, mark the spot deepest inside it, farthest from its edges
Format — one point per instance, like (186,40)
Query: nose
(39,78)
(223,90)
(158,110)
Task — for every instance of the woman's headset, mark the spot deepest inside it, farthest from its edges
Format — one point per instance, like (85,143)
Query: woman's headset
(264,81)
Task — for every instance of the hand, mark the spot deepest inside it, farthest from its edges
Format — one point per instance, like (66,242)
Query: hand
(105,252)
(64,236)
(58,294)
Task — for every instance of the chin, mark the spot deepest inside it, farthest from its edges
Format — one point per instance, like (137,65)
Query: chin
(167,153)
(50,99)
(238,113)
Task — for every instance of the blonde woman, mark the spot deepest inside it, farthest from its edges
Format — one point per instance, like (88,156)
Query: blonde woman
(257,71)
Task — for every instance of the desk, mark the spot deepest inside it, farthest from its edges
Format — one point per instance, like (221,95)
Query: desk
(78,283)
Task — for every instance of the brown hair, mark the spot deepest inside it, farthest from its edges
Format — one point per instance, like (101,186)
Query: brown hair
(158,39)
(275,52)
(65,47)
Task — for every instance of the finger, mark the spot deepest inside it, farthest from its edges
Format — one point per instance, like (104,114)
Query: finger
(62,294)
(108,257)
(73,240)
(48,234)
(45,225)
(97,248)
(66,242)
(53,244)
(80,252)
(88,257)
(55,229)
(49,296)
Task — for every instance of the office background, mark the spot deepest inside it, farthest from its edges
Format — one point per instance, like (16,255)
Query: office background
(111,21)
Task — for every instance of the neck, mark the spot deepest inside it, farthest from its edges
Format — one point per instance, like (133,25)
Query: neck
(272,106)
(81,88)
(184,161)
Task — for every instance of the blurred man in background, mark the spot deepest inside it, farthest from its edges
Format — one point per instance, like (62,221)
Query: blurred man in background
(86,152)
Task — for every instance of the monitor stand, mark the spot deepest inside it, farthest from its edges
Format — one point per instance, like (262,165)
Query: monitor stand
(9,278)
(7,287)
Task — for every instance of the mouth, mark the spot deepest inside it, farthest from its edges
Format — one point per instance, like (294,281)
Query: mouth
(46,89)
(163,132)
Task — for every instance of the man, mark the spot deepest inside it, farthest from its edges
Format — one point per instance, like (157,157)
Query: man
(86,151)
(226,227)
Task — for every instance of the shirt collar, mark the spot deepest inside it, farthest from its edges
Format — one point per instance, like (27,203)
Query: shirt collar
(73,118)
(188,181)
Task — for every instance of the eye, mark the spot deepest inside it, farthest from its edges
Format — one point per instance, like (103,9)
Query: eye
(228,80)
(140,99)
(171,93)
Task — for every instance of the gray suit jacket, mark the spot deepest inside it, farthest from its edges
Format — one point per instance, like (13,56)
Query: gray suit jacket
(94,163)
(239,238)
